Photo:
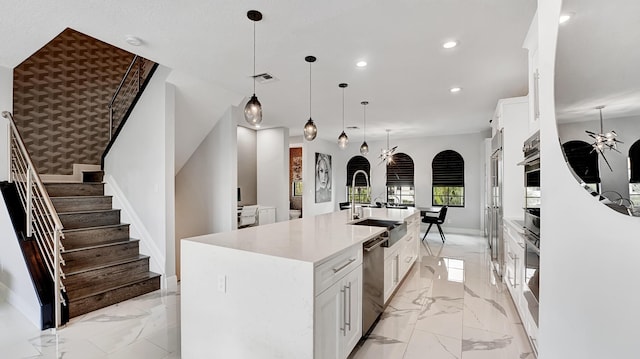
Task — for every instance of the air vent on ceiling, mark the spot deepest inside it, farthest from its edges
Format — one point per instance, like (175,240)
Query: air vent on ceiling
(353,127)
(265,78)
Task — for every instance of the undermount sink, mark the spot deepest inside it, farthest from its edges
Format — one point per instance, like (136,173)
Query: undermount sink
(395,230)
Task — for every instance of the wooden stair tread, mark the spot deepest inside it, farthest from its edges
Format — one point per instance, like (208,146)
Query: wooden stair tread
(95,227)
(137,279)
(107,264)
(102,245)
(80,197)
(96,289)
(90,211)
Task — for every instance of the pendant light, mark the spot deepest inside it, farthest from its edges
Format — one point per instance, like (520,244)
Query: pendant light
(253,109)
(386,155)
(604,140)
(343,139)
(364,148)
(310,129)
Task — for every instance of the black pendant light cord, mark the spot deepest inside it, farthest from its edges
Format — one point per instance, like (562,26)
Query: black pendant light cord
(364,134)
(343,109)
(309,89)
(254,57)
(601,124)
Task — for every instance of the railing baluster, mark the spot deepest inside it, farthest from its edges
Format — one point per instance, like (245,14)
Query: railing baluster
(29,229)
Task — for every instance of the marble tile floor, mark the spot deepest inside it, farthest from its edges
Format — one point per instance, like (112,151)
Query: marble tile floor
(449,306)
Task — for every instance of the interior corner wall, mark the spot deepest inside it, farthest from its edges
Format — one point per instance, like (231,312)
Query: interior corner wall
(588,253)
(273,170)
(247,166)
(6,104)
(206,200)
(309,150)
(139,172)
(16,286)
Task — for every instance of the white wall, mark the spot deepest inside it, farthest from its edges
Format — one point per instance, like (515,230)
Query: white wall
(206,198)
(422,151)
(16,286)
(273,170)
(338,165)
(247,166)
(589,254)
(139,173)
(6,104)
(628,130)
(515,121)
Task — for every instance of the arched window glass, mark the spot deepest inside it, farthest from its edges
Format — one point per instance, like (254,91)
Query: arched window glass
(634,173)
(360,190)
(448,179)
(400,189)
(584,162)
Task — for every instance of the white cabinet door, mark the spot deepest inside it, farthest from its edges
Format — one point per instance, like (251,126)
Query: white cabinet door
(338,317)
(352,285)
(391,274)
(329,322)
(266,215)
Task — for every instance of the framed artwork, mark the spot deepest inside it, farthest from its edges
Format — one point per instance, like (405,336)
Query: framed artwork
(297,188)
(323,177)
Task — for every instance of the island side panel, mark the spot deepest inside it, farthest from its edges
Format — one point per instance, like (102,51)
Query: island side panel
(266,312)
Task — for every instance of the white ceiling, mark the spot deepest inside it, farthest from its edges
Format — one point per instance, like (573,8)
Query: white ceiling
(406,82)
(597,60)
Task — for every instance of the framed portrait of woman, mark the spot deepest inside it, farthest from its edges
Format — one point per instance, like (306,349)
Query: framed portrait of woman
(323,177)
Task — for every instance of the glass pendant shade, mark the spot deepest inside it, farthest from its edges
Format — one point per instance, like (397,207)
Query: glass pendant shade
(253,111)
(343,140)
(310,130)
(364,148)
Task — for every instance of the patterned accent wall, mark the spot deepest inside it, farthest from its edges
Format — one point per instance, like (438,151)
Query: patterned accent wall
(61,94)
(295,173)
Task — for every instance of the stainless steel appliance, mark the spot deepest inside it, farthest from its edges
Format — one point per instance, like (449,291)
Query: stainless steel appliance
(531,164)
(395,229)
(496,242)
(372,282)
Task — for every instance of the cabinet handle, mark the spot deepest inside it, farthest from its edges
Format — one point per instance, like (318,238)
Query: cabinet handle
(348,324)
(336,270)
(515,271)
(344,310)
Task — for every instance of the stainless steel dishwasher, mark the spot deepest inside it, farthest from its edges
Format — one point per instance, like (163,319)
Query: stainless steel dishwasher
(372,282)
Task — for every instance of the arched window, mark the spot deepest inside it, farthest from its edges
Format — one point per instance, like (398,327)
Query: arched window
(400,188)
(634,173)
(448,179)
(584,162)
(361,191)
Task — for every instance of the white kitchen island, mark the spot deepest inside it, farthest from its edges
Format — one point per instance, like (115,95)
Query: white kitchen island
(285,290)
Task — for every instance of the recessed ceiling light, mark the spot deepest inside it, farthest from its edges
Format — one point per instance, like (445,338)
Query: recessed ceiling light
(133,40)
(455,89)
(361,63)
(450,44)
(564,18)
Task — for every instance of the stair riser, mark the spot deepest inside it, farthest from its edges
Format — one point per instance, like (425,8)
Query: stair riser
(92,176)
(90,219)
(80,203)
(92,237)
(102,300)
(86,282)
(74,189)
(75,261)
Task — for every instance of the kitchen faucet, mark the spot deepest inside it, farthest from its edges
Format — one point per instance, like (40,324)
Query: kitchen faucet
(354,213)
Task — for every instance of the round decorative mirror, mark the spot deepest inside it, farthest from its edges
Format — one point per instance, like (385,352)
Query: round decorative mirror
(597,98)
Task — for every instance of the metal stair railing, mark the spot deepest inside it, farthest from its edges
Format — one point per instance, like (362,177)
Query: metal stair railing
(42,221)
(127,90)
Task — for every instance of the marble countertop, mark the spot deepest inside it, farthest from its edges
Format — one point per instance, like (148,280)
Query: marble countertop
(311,239)
(516,223)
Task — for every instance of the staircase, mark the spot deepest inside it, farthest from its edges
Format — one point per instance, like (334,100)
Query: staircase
(103,264)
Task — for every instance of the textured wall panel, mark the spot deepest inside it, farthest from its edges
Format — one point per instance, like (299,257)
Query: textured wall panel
(61,94)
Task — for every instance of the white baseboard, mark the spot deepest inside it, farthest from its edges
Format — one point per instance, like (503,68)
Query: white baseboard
(137,227)
(170,283)
(73,178)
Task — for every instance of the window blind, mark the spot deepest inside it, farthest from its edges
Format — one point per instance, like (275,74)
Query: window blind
(358,163)
(448,169)
(583,161)
(634,161)
(400,171)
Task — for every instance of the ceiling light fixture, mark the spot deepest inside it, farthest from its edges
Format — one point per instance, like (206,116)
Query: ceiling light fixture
(450,44)
(361,64)
(604,140)
(133,40)
(343,139)
(364,148)
(564,18)
(310,129)
(386,155)
(455,89)
(253,108)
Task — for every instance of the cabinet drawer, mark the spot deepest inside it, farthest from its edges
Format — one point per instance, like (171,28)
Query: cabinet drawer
(336,267)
